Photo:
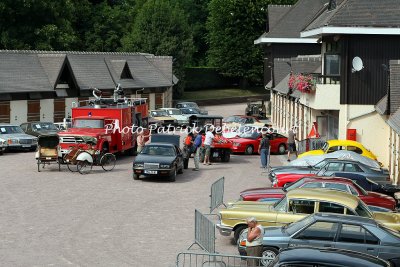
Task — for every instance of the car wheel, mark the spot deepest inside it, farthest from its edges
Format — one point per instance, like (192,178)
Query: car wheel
(281,149)
(186,163)
(172,178)
(238,232)
(226,156)
(180,171)
(136,176)
(268,256)
(249,150)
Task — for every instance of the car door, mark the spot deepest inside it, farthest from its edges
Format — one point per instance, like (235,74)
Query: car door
(296,210)
(357,238)
(318,234)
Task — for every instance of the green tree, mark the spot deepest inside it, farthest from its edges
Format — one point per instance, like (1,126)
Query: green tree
(233,25)
(37,24)
(161,28)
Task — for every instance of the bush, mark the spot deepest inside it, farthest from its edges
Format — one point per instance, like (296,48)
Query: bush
(207,78)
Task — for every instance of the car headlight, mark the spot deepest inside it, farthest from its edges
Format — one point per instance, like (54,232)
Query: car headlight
(397,195)
(34,141)
(236,144)
(3,142)
(138,165)
(165,166)
(13,141)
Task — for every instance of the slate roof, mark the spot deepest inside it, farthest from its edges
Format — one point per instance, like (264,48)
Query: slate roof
(275,13)
(394,121)
(360,13)
(382,106)
(296,19)
(38,71)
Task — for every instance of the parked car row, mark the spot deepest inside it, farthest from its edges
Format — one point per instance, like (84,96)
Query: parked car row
(12,137)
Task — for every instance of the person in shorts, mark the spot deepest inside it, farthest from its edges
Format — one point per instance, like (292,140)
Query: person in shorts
(207,146)
(292,138)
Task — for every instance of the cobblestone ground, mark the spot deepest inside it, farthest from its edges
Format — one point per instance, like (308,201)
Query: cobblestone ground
(56,218)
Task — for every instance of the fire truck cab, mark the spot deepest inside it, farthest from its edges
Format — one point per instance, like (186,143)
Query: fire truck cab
(109,124)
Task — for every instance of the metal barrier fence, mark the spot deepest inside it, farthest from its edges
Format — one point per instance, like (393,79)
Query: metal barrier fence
(186,259)
(204,232)
(217,194)
(310,144)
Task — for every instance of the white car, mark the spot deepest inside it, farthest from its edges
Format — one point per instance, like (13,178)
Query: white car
(3,145)
(177,114)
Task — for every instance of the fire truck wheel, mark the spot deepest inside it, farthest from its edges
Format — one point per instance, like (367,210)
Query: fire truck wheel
(172,178)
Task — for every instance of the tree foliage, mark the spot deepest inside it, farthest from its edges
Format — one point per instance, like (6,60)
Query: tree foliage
(232,26)
(161,28)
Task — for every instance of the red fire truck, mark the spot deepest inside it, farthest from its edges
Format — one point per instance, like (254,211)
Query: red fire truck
(109,123)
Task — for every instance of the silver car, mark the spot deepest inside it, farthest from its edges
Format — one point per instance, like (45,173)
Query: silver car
(335,231)
(16,139)
(3,145)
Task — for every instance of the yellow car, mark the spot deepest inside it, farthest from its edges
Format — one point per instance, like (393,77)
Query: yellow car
(298,203)
(336,145)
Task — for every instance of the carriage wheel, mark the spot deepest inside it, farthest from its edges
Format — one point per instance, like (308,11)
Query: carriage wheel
(83,166)
(71,167)
(107,161)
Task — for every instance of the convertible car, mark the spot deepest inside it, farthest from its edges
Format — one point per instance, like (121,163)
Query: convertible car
(248,142)
(163,157)
(279,176)
(296,205)
(334,183)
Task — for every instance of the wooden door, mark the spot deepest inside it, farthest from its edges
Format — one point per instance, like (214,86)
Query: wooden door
(59,110)
(33,110)
(159,100)
(5,111)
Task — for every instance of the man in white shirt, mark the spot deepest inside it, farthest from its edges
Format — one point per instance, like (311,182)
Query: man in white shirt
(207,146)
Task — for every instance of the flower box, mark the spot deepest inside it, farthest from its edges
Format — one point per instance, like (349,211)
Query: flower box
(302,83)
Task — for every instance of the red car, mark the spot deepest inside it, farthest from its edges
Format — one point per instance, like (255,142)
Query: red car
(248,142)
(335,183)
(288,178)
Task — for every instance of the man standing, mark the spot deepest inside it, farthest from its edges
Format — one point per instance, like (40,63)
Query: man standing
(196,149)
(291,143)
(255,233)
(263,150)
(207,146)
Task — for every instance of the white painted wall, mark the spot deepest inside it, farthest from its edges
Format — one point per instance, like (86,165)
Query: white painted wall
(152,98)
(372,131)
(18,111)
(68,106)
(47,110)
(325,97)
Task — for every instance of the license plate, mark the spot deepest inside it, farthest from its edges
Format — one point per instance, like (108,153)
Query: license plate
(215,154)
(150,172)
(26,146)
(48,158)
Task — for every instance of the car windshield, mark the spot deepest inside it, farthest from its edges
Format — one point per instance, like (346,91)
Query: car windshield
(362,190)
(189,105)
(325,147)
(189,111)
(87,123)
(281,205)
(390,231)
(10,130)
(249,135)
(174,112)
(319,165)
(158,150)
(295,185)
(159,113)
(232,119)
(293,227)
(363,210)
(44,126)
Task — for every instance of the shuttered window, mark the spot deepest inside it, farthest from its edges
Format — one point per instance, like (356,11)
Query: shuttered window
(33,110)
(4,111)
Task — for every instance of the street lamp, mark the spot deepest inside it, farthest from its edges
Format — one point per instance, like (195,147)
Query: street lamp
(138,91)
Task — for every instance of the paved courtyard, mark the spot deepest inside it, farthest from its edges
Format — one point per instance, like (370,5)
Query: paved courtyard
(56,218)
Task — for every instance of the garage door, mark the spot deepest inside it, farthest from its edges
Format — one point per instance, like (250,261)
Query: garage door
(59,110)
(33,110)
(4,111)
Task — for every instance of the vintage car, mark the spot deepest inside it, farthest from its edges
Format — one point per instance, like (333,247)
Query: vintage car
(236,121)
(336,145)
(16,138)
(280,176)
(248,142)
(3,145)
(191,105)
(321,231)
(162,157)
(39,128)
(176,113)
(294,206)
(256,107)
(163,117)
(334,183)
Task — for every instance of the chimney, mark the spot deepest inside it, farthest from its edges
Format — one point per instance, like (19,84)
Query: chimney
(331,5)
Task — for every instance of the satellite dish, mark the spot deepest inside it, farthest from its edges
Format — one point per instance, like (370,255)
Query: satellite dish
(357,64)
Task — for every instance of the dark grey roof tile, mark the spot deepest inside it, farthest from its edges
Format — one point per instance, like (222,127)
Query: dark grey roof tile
(275,13)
